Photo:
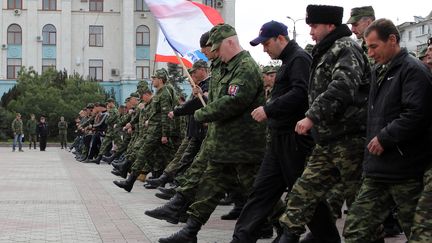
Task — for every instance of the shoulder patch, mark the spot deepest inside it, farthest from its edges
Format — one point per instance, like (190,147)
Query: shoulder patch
(233,90)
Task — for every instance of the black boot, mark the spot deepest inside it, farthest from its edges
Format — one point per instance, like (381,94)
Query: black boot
(322,226)
(227,200)
(30,146)
(234,214)
(186,235)
(96,160)
(34,145)
(109,159)
(171,211)
(117,173)
(266,231)
(128,183)
(169,191)
(124,168)
(155,183)
(163,196)
(118,163)
(288,237)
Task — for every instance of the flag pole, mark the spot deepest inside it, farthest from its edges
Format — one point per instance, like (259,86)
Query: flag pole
(189,77)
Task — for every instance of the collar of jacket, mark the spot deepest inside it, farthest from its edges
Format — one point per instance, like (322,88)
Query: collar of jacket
(235,60)
(327,42)
(288,50)
(398,59)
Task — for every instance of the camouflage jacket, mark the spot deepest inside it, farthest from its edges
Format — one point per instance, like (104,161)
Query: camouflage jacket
(338,87)
(159,124)
(62,127)
(31,127)
(113,117)
(17,126)
(235,90)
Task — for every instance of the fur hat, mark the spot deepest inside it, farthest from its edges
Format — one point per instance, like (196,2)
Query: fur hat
(324,14)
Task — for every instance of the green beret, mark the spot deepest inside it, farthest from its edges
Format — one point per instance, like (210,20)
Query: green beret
(218,33)
(198,64)
(358,13)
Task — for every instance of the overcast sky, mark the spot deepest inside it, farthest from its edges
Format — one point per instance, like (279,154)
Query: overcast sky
(252,14)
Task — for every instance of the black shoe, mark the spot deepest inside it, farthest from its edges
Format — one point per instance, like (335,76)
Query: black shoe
(80,159)
(231,215)
(109,159)
(128,183)
(169,191)
(288,237)
(309,238)
(226,201)
(96,160)
(163,196)
(186,235)
(170,211)
(266,231)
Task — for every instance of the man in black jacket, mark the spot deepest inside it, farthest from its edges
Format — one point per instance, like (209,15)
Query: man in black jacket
(286,151)
(42,133)
(400,101)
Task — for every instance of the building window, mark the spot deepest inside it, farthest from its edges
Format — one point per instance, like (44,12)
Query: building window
(96,69)
(96,5)
(95,35)
(143,72)
(14,35)
(141,6)
(49,5)
(13,66)
(49,35)
(48,64)
(143,36)
(14,4)
(210,3)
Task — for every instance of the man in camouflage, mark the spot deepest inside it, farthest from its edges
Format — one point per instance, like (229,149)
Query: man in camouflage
(269,75)
(62,127)
(17,130)
(398,141)
(158,136)
(360,19)
(338,89)
(233,94)
(31,131)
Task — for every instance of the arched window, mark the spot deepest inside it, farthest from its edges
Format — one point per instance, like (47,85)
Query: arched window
(49,35)
(143,36)
(143,52)
(14,35)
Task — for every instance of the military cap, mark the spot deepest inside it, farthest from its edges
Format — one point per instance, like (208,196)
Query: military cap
(218,33)
(142,87)
(161,73)
(127,99)
(90,106)
(324,14)
(134,94)
(109,100)
(422,53)
(269,69)
(358,13)
(122,106)
(198,64)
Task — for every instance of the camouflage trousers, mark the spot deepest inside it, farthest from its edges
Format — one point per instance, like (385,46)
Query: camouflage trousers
(422,227)
(122,147)
(372,206)
(328,165)
(63,139)
(106,145)
(189,181)
(184,156)
(151,152)
(134,146)
(31,138)
(217,179)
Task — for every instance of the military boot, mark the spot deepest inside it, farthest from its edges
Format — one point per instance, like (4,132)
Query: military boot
(124,168)
(117,163)
(186,235)
(170,211)
(160,181)
(96,160)
(128,183)
(110,158)
(234,214)
(322,226)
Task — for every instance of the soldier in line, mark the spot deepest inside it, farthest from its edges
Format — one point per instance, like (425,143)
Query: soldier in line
(237,90)
(17,130)
(31,131)
(158,136)
(269,76)
(42,133)
(196,131)
(398,144)
(338,90)
(286,151)
(62,127)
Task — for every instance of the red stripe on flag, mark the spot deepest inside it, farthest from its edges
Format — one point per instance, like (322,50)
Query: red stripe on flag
(172,59)
(211,13)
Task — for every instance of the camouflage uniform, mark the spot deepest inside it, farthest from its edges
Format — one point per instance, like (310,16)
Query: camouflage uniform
(338,91)
(112,119)
(31,131)
(63,126)
(234,94)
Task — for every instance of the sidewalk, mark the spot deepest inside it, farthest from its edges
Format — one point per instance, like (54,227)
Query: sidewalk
(49,197)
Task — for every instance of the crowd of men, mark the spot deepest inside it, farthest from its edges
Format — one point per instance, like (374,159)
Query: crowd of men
(35,131)
(349,121)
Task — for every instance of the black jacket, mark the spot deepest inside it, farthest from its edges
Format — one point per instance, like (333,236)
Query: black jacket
(289,97)
(399,114)
(42,129)
(194,128)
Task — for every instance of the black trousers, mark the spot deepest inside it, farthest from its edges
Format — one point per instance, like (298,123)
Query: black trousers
(283,163)
(42,143)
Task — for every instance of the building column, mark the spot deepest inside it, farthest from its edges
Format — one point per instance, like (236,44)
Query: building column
(64,53)
(228,12)
(128,72)
(33,52)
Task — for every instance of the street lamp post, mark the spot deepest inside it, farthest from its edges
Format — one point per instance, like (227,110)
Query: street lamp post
(294,29)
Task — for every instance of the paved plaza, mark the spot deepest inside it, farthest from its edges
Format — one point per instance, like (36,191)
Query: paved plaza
(49,197)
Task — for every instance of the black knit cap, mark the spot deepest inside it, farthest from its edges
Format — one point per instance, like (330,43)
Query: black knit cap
(324,14)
